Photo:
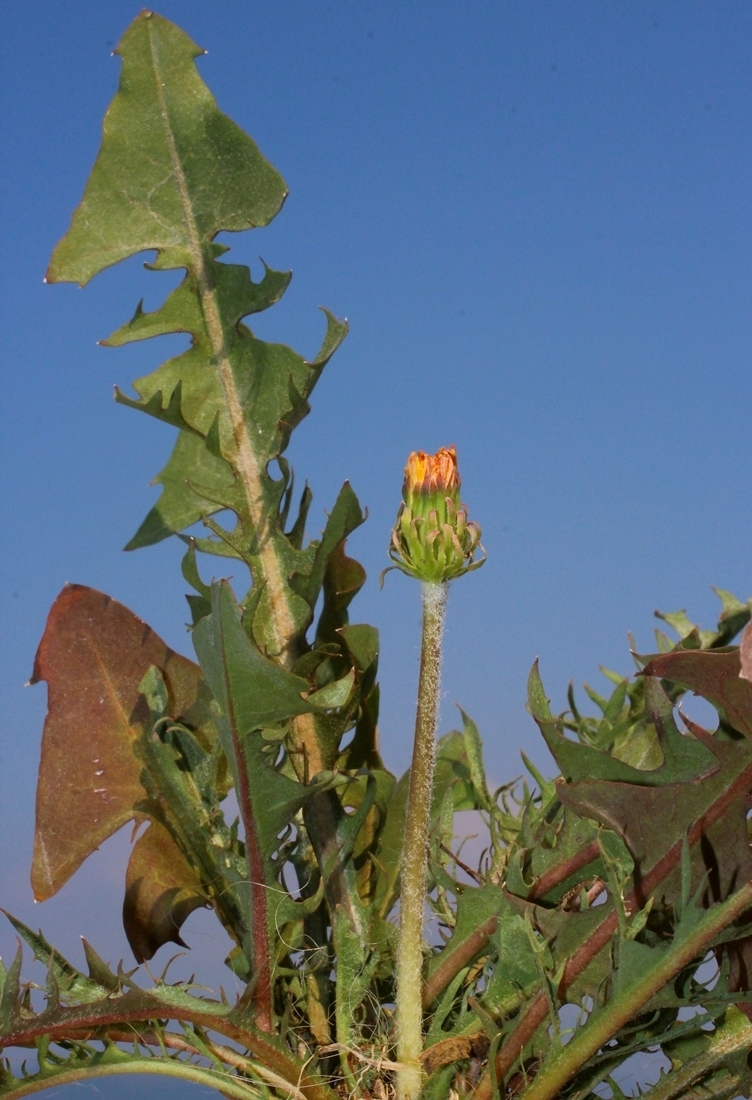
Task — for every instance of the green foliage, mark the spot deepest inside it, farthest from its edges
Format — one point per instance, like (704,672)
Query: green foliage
(599,894)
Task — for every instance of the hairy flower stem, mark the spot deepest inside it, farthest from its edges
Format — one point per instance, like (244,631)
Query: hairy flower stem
(415,850)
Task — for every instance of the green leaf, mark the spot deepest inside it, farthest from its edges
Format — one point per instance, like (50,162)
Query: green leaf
(616,702)
(11,992)
(334,695)
(253,692)
(559,855)
(99,971)
(453,773)
(76,986)
(172,171)
(476,921)
(345,517)
(734,617)
(683,757)
(474,750)
(678,621)
(515,973)
(180,308)
(635,959)
(185,784)
(343,580)
(179,506)
(356,929)
(362,643)
(731,1025)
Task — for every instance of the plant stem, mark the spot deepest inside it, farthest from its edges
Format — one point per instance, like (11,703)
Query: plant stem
(90,1021)
(674,1086)
(566,1061)
(415,850)
(231,1086)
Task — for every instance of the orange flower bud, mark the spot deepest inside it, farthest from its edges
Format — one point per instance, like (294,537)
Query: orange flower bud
(426,473)
(433,540)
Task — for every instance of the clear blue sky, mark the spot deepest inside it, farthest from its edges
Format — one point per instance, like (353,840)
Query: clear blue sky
(536,217)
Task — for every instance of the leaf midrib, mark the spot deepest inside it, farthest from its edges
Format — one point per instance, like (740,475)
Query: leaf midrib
(248,466)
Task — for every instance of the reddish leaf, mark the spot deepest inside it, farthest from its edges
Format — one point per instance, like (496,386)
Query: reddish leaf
(161,891)
(710,812)
(745,653)
(93,656)
(713,674)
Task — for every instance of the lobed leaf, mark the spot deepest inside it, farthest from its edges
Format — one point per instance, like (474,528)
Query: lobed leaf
(713,674)
(172,170)
(683,757)
(171,173)
(70,982)
(255,694)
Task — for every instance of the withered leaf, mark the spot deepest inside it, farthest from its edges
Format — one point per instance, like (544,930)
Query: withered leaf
(93,656)
(161,891)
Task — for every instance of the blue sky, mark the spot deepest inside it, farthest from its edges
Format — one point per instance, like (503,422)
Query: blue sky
(536,217)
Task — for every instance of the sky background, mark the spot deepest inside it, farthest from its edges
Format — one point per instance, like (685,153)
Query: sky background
(536,217)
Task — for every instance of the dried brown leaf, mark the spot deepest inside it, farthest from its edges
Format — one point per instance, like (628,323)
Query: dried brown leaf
(93,656)
(161,891)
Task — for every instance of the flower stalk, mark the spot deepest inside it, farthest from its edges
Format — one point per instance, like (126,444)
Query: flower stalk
(433,541)
(415,850)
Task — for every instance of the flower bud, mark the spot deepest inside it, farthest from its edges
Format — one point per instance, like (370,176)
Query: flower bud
(433,540)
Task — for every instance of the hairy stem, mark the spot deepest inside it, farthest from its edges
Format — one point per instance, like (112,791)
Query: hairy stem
(415,850)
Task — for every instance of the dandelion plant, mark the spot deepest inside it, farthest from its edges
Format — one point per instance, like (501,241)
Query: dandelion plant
(610,913)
